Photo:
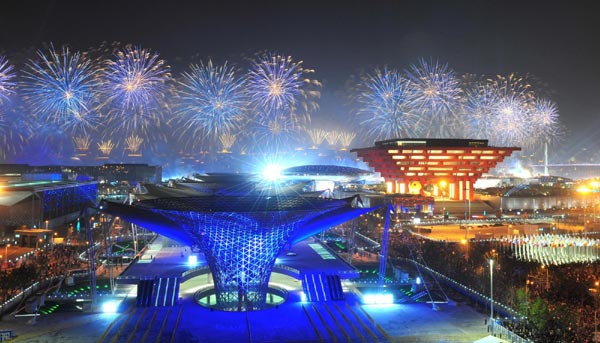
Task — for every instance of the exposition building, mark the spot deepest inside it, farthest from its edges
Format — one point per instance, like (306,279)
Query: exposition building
(449,166)
(240,228)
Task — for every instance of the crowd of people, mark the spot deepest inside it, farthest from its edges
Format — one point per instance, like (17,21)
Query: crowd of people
(558,302)
(57,260)
(46,263)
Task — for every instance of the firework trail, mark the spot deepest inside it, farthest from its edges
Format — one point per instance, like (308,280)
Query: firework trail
(135,85)
(280,87)
(346,139)
(61,88)
(13,127)
(106,147)
(332,137)
(227,140)
(434,94)
(133,143)
(82,143)
(7,80)
(211,102)
(11,136)
(317,136)
(512,85)
(383,108)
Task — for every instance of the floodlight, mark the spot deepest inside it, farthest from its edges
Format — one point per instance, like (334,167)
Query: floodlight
(192,260)
(378,299)
(110,306)
(272,172)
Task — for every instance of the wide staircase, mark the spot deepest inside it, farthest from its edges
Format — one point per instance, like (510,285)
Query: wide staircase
(322,287)
(143,324)
(159,292)
(337,321)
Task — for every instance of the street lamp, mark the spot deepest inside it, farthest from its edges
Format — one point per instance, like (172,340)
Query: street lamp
(548,276)
(6,253)
(584,190)
(492,294)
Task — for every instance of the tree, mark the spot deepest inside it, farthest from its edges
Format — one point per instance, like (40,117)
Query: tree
(522,303)
(539,314)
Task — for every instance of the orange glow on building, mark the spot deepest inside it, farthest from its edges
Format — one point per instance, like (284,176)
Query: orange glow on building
(450,166)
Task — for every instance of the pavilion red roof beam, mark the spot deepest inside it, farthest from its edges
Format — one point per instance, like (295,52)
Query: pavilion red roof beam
(408,165)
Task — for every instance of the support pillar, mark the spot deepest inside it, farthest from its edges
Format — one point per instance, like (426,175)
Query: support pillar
(403,188)
(384,247)
(452,191)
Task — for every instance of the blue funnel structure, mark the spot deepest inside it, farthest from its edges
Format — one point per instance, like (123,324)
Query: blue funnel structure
(240,236)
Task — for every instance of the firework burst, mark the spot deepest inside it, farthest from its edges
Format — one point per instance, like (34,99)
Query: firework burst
(212,102)
(545,124)
(512,123)
(135,86)
(278,86)
(60,88)
(480,109)
(383,108)
(545,117)
(506,111)
(512,85)
(434,94)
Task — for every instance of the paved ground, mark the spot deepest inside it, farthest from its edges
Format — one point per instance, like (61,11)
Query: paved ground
(294,321)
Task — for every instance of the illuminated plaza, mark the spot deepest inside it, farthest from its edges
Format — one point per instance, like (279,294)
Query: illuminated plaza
(299,172)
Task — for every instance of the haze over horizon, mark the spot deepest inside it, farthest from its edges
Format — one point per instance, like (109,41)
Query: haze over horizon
(553,43)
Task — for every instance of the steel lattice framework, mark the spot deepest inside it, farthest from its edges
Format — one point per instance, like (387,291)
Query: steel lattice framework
(240,236)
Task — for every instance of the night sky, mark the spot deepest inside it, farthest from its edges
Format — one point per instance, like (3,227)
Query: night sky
(556,43)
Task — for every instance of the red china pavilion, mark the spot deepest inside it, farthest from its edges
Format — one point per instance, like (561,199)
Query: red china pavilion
(449,166)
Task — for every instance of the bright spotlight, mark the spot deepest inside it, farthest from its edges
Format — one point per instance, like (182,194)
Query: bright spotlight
(192,260)
(272,172)
(302,297)
(378,299)
(110,306)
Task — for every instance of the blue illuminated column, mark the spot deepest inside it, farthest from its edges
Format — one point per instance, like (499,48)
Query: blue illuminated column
(241,254)
(240,236)
(241,248)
